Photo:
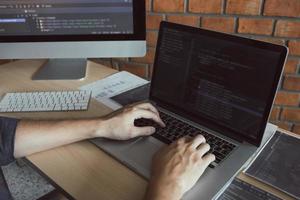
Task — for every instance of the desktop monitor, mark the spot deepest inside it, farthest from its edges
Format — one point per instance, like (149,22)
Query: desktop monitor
(68,31)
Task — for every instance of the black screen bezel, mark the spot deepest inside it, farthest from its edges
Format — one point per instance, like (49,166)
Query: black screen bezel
(208,123)
(139,18)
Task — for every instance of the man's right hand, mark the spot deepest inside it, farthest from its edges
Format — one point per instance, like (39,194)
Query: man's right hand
(121,126)
(177,167)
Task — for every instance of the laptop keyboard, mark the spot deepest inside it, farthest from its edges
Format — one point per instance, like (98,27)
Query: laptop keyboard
(176,129)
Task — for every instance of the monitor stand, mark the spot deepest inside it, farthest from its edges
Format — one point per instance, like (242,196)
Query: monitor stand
(62,69)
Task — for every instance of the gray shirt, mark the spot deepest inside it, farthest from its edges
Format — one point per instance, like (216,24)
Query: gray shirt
(7,140)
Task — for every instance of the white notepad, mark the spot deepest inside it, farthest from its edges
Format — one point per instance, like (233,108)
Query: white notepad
(104,89)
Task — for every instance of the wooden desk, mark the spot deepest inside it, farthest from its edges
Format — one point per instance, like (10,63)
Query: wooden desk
(81,169)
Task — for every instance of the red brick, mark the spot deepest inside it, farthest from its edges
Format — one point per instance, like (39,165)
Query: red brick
(287,99)
(151,38)
(182,19)
(137,69)
(150,71)
(286,28)
(274,113)
(271,40)
(168,5)
(250,7)
(288,8)
(148,5)
(222,24)
(296,129)
(153,21)
(294,47)
(205,6)
(4,61)
(291,66)
(255,26)
(149,58)
(291,114)
(291,83)
(283,125)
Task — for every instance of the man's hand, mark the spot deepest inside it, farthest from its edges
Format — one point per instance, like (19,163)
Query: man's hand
(121,127)
(176,168)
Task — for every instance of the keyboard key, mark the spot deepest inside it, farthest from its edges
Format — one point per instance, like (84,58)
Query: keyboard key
(176,129)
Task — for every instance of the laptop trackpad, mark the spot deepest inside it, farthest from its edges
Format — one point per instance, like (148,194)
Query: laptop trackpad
(141,152)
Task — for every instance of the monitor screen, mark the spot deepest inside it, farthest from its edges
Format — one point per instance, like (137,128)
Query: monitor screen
(66,17)
(71,20)
(55,28)
(218,78)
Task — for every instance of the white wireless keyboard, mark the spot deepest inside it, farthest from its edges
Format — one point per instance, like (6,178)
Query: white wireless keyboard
(45,101)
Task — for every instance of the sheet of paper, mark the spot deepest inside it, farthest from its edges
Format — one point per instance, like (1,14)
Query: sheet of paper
(113,85)
(240,190)
(278,164)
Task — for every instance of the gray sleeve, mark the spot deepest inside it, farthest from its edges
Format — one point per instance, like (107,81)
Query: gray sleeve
(4,192)
(7,139)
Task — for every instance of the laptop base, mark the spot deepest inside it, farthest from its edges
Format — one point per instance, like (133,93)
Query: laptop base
(137,155)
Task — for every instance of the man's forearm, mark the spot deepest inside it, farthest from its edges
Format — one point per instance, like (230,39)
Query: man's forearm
(36,136)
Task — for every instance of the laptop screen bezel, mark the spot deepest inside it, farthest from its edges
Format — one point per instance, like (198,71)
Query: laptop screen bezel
(203,121)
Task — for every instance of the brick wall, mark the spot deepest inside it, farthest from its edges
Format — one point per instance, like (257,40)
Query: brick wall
(276,21)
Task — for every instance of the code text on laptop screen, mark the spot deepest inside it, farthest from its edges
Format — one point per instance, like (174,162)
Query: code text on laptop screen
(223,81)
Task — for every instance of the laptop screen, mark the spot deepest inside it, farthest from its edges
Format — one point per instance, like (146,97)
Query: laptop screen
(225,82)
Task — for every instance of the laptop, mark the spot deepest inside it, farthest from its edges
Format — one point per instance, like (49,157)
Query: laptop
(204,82)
